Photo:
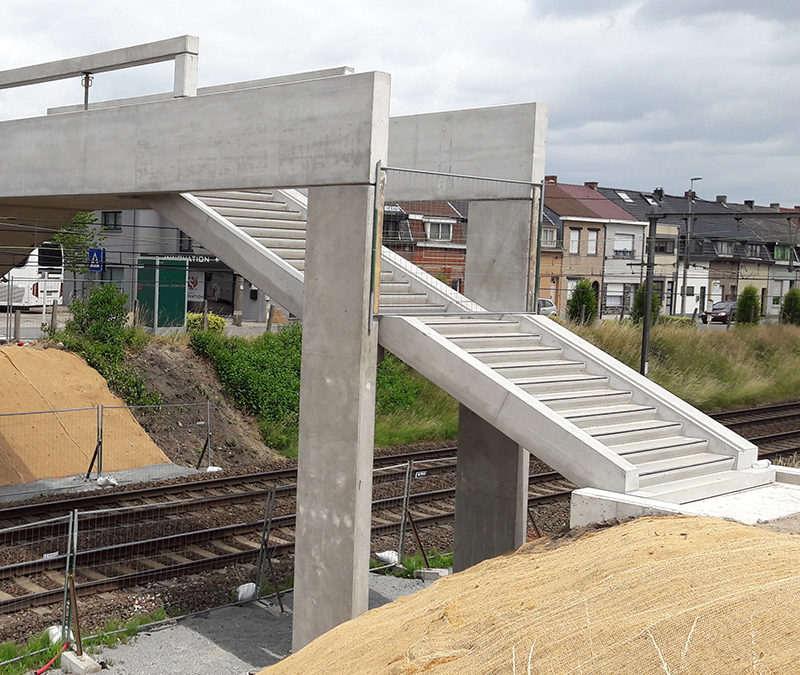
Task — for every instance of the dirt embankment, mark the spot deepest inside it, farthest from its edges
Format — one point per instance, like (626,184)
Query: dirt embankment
(172,369)
(655,595)
(59,444)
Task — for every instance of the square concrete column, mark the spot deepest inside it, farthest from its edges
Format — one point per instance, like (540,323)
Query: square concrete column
(337,414)
(491,492)
(492,470)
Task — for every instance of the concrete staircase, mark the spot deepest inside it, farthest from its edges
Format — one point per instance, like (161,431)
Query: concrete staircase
(585,414)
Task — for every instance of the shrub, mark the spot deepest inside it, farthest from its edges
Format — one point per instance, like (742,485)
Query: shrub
(748,306)
(676,320)
(98,333)
(194,322)
(583,300)
(637,311)
(790,308)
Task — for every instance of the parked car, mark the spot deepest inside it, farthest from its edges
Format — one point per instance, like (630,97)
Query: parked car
(547,307)
(720,311)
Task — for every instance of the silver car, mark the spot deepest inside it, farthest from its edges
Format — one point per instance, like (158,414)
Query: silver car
(547,307)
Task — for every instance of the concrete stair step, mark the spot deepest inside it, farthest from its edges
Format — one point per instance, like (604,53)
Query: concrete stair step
(565,400)
(298,234)
(659,448)
(252,195)
(245,203)
(679,468)
(496,340)
(539,368)
(404,298)
(554,383)
(608,414)
(256,210)
(394,286)
(289,220)
(453,327)
(272,242)
(387,275)
(514,355)
(633,431)
(288,253)
(411,310)
(711,485)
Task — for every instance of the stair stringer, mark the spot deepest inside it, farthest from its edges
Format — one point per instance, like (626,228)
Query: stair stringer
(560,444)
(259,265)
(721,440)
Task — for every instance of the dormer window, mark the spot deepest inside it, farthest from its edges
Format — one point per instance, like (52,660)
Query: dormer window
(439,230)
(723,247)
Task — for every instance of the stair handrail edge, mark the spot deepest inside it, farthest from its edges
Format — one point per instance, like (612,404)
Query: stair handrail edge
(425,282)
(296,198)
(397,334)
(721,440)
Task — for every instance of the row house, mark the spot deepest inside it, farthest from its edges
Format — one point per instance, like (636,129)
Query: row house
(432,235)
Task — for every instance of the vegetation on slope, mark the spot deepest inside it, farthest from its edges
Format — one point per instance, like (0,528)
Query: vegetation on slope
(711,369)
(263,376)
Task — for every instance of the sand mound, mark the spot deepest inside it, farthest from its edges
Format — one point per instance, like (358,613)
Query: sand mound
(657,595)
(60,444)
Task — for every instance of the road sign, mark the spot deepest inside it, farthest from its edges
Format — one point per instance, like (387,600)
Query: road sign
(97,259)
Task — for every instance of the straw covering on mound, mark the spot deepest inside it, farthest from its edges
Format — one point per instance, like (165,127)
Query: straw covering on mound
(61,444)
(656,595)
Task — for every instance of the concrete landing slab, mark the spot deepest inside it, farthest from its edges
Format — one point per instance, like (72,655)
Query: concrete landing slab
(760,504)
(72,663)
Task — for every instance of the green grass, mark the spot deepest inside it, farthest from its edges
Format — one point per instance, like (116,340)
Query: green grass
(711,369)
(414,562)
(33,661)
(262,375)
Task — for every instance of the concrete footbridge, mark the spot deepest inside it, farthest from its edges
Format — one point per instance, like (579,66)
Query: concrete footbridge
(282,180)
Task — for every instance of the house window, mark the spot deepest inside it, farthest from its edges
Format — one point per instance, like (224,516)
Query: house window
(665,246)
(114,275)
(549,238)
(623,246)
(571,284)
(782,253)
(111,221)
(574,240)
(184,243)
(723,247)
(625,197)
(592,244)
(754,250)
(439,231)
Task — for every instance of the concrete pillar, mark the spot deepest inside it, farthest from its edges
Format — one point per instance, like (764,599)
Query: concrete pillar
(238,299)
(492,470)
(491,492)
(337,414)
(185,75)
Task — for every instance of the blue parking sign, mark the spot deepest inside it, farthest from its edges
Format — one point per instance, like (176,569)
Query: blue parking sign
(97,259)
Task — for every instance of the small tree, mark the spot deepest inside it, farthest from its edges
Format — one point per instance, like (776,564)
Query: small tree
(637,311)
(790,308)
(582,303)
(748,306)
(76,238)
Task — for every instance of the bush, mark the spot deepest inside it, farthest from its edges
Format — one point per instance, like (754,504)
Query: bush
(98,333)
(194,322)
(790,307)
(748,306)
(637,311)
(583,300)
(668,319)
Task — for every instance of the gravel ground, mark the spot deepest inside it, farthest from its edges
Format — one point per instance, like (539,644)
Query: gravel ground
(229,640)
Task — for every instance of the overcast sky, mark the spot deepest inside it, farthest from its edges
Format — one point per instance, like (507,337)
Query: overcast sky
(641,94)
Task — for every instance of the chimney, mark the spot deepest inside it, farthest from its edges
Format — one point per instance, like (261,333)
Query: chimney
(591,184)
(750,203)
(774,205)
(722,199)
(658,193)
(690,194)
(551,179)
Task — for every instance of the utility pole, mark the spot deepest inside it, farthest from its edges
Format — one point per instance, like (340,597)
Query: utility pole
(647,318)
(689,223)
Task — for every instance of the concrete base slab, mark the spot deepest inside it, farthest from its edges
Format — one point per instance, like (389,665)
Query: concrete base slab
(753,506)
(431,573)
(72,663)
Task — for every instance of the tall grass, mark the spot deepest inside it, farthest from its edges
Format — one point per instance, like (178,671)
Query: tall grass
(711,369)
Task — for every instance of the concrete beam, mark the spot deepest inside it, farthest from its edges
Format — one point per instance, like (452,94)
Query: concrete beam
(116,59)
(203,91)
(305,134)
(505,142)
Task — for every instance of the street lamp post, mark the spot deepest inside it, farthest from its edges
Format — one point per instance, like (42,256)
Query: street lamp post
(689,222)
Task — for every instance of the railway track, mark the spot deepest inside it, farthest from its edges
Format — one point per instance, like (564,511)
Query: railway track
(104,566)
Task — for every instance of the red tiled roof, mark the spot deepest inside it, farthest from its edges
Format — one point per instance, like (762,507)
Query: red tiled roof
(581,201)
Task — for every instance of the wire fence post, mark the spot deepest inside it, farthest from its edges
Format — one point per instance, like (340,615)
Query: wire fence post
(208,430)
(101,415)
(69,563)
(406,497)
